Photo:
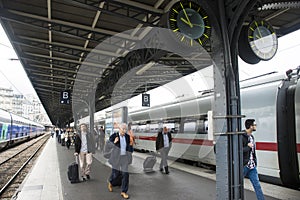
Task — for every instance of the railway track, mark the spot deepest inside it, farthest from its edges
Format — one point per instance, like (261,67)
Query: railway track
(15,163)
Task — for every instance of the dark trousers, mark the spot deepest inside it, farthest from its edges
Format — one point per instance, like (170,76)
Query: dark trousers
(121,168)
(101,143)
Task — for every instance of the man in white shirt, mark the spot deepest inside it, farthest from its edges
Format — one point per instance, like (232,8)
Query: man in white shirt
(163,145)
(85,147)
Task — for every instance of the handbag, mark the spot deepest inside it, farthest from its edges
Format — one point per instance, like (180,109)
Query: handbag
(108,148)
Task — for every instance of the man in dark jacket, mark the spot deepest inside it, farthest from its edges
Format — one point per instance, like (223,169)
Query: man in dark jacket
(85,147)
(249,157)
(120,158)
(163,145)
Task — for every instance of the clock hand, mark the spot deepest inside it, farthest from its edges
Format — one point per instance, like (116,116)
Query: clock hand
(188,20)
(259,33)
(201,25)
(182,19)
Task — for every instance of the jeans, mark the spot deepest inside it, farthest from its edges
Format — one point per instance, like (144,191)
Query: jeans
(253,176)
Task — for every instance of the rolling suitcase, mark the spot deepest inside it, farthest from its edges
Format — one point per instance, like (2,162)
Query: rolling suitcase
(73,173)
(149,163)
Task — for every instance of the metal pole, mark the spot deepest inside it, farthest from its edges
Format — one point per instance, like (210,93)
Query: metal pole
(91,113)
(230,147)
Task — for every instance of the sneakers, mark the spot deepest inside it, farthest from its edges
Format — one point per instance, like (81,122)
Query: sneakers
(110,187)
(124,195)
(87,177)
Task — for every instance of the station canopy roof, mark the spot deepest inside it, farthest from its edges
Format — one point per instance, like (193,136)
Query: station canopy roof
(57,43)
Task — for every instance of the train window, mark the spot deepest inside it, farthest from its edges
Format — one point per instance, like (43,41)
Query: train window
(176,127)
(202,126)
(189,127)
(147,128)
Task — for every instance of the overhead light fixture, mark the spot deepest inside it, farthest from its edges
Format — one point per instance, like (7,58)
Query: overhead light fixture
(146,67)
(102,97)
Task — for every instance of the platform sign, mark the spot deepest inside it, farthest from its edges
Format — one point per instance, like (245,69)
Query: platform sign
(146,100)
(65,97)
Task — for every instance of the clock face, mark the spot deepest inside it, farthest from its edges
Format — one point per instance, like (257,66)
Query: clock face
(262,39)
(189,22)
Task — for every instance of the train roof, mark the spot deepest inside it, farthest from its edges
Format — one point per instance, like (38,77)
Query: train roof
(7,115)
(262,79)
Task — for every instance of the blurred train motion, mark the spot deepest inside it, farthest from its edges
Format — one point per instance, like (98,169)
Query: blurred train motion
(273,100)
(15,129)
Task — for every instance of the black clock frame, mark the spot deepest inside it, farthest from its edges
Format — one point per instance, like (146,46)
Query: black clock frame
(180,34)
(246,53)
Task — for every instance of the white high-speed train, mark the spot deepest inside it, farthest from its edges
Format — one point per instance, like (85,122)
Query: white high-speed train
(273,100)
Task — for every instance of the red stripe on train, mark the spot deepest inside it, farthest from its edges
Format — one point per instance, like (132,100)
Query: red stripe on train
(182,140)
(262,146)
(266,146)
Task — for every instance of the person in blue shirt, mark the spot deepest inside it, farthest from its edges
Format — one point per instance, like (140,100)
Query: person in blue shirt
(119,159)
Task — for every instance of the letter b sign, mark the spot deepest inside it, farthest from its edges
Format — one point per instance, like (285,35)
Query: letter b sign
(146,100)
(65,97)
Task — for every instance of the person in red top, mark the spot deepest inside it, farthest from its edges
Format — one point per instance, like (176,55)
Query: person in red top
(132,139)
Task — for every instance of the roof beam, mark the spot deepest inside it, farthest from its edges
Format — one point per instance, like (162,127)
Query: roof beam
(59,77)
(64,70)
(65,45)
(18,16)
(90,64)
(134,10)
(144,7)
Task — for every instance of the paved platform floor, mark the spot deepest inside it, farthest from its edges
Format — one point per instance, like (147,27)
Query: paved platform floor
(48,180)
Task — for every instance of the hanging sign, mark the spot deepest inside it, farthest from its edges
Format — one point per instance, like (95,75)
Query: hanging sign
(146,100)
(65,97)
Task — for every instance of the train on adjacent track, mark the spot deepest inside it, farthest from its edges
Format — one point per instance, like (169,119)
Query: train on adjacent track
(273,100)
(15,129)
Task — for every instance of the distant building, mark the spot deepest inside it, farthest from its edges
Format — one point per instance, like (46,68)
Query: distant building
(6,99)
(17,104)
(26,106)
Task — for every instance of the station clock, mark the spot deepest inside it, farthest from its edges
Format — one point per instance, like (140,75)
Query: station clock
(258,41)
(190,23)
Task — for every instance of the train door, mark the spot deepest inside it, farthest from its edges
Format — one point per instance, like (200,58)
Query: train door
(287,133)
(4,132)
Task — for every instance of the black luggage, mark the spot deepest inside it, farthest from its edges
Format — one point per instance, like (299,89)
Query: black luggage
(73,173)
(117,181)
(149,163)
